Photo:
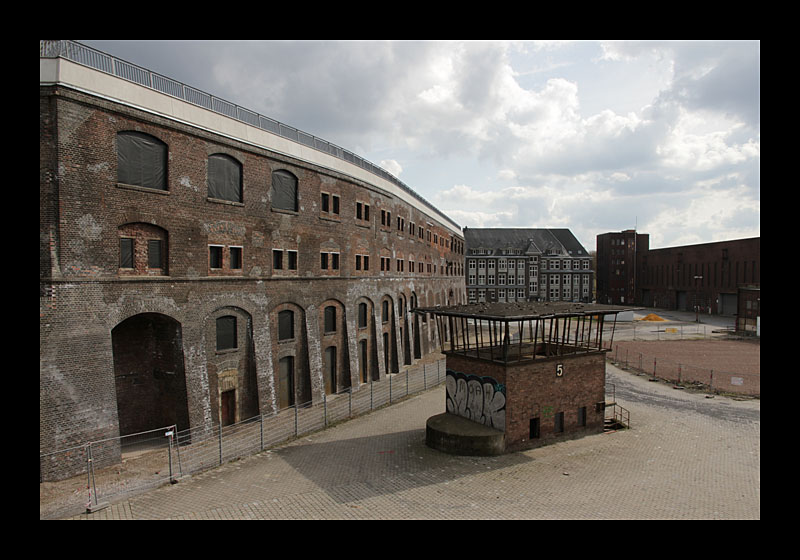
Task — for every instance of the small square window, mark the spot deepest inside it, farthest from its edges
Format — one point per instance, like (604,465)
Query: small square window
(154,253)
(292,260)
(277,259)
(236,258)
(215,256)
(126,253)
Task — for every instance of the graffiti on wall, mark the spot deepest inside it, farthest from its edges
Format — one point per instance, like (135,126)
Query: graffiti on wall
(480,399)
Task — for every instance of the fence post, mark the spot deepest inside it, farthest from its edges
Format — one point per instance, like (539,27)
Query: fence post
(261,427)
(90,483)
(295,419)
(390,388)
(324,409)
(220,442)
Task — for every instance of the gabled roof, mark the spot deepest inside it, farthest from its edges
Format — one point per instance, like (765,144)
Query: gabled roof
(527,240)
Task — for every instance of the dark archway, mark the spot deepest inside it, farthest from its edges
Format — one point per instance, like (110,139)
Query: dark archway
(149,374)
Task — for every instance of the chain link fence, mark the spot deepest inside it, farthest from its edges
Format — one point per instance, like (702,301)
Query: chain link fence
(115,468)
(682,372)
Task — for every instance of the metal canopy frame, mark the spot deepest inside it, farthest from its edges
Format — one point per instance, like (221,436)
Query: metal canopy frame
(509,333)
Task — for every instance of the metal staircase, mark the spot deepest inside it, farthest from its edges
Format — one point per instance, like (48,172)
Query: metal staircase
(616,417)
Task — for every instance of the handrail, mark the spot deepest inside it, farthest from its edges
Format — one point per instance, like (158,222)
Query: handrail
(87,56)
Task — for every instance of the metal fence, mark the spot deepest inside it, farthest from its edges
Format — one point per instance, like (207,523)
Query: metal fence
(114,468)
(682,374)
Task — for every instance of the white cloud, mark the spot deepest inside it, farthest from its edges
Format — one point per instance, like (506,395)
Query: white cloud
(590,136)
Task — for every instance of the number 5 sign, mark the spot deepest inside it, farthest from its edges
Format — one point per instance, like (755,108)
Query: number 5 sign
(559,370)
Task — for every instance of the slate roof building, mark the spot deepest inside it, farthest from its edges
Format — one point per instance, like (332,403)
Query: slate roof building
(526,264)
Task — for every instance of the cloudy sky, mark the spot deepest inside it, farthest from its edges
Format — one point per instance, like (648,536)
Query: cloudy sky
(591,136)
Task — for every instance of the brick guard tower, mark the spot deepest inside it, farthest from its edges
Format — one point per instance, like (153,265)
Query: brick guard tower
(520,375)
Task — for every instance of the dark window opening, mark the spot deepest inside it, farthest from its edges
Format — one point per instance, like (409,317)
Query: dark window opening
(236,258)
(215,256)
(226,333)
(362,315)
(286,325)
(126,253)
(330,319)
(534,428)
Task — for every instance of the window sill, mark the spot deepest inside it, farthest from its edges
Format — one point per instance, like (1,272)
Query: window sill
(139,188)
(223,201)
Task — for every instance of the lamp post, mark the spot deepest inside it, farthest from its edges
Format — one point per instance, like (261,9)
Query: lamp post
(696,307)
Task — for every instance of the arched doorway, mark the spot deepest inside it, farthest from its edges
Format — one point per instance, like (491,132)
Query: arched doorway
(149,374)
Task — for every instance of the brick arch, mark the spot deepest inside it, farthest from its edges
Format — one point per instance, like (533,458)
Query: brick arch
(149,373)
(290,355)
(231,365)
(335,363)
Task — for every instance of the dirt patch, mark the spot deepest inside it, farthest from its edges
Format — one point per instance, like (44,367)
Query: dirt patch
(652,317)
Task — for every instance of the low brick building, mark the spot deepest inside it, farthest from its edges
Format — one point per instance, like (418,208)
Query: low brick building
(201,264)
(534,372)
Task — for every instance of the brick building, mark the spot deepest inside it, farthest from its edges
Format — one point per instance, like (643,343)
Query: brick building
(532,372)
(616,265)
(201,264)
(705,276)
(526,264)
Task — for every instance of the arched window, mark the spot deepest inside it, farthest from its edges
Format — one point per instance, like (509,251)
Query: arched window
(284,191)
(141,160)
(224,178)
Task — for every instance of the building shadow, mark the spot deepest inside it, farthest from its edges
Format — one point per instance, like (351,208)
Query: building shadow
(365,467)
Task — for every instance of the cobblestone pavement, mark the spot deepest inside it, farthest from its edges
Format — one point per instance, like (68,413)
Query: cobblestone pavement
(686,457)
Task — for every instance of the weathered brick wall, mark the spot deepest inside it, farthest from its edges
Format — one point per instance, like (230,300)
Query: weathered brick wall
(84,294)
(533,389)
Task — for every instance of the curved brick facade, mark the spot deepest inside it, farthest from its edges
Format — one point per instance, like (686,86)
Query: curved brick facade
(161,306)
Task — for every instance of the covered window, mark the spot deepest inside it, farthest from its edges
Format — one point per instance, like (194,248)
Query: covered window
(126,253)
(284,191)
(224,178)
(226,332)
(141,160)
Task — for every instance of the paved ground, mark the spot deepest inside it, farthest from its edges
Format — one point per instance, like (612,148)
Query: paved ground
(687,457)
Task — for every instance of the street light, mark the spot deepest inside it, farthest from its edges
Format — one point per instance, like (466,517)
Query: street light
(696,307)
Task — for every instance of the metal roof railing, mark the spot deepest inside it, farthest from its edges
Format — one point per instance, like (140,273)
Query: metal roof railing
(87,56)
